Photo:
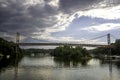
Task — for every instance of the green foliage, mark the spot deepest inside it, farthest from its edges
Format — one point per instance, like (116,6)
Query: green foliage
(9,48)
(70,53)
(100,51)
(115,50)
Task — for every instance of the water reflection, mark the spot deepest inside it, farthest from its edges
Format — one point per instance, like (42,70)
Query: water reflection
(113,66)
(58,69)
(8,63)
(110,70)
(71,63)
(15,72)
(118,65)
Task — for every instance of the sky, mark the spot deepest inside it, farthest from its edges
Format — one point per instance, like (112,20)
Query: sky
(59,20)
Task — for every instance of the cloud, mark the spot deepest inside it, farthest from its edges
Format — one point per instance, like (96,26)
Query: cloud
(105,13)
(27,17)
(102,27)
(40,18)
(70,6)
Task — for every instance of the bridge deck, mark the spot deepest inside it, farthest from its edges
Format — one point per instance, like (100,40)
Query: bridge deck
(58,44)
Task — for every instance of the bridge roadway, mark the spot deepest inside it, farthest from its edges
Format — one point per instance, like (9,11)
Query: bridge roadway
(58,44)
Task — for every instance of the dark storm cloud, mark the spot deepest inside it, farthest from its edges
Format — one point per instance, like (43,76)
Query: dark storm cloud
(69,6)
(46,11)
(43,16)
(14,16)
(9,13)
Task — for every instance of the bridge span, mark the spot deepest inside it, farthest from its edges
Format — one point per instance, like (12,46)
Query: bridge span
(60,44)
(63,43)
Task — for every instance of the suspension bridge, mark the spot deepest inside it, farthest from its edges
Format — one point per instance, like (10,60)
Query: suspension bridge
(108,39)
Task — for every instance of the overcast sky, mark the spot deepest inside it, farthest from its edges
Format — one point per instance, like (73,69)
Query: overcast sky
(59,20)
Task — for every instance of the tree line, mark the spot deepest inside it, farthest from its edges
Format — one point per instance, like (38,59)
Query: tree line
(9,48)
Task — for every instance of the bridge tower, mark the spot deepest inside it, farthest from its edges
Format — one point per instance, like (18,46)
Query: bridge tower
(108,39)
(17,37)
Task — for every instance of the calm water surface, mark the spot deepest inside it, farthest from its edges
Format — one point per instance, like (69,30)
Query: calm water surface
(48,68)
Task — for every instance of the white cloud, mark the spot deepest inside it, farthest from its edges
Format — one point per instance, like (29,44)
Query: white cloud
(105,13)
(54,3)
(63,21)
(102,27)
(101,12)
(33,2)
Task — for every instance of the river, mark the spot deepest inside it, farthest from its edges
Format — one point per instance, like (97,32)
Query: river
(48,68)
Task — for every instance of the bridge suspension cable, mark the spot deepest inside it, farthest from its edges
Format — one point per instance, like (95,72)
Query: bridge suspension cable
(83,41)
(99,37)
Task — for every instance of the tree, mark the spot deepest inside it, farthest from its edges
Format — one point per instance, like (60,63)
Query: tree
(70,53)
